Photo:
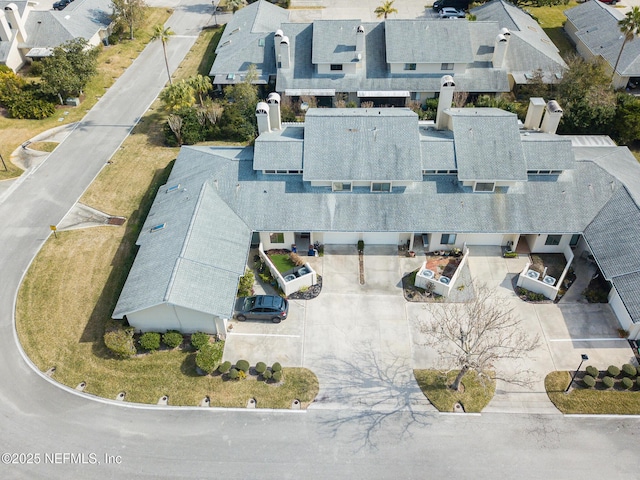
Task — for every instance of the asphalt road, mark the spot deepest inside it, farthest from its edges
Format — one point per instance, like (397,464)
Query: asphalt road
(47,431)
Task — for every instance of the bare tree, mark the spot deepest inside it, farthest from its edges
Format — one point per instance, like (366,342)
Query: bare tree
(477,333)
(460,99)
(366,104)
(175,124)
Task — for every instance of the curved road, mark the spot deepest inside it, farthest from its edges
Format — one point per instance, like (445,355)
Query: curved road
(51,432)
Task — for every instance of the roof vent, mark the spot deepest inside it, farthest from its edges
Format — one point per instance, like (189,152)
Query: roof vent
(279,33)
(505,31)
(360,29)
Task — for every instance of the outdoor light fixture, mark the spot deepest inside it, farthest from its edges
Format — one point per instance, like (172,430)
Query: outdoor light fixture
(584,357)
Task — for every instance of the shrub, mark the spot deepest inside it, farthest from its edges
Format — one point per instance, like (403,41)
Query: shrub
(224,367)
(360,245)
(208,358)
(245,285)
(277,375)
(150,341)
(276,367)
(199,339)
(629,370)
(241,375)
(36,69)
(119,339)
(627,383)
(233,374)
(608,382)
(242,365)
(267,374)
(591,370)
(261,367)
(613,371)
(638,382)
(296,259)
(172,339)
(589,381)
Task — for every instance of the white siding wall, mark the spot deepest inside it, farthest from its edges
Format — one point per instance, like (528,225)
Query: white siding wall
(482,239)
(341,238)
(347,69)
(161,318)
(426,68)
(381,238)
(289,239)
(537,244)
(623,315)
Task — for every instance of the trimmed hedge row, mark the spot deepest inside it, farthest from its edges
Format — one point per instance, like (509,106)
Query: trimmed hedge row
(628,372)
(241,367)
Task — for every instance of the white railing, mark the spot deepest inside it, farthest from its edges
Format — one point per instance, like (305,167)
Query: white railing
(293,285)
(435,285)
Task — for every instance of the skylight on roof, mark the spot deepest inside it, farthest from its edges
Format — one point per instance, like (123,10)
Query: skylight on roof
(231,76)
(158,227)
(173,188)
(261,42)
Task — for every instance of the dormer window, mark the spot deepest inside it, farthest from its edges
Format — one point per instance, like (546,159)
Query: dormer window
(446,66)
(341,186)
(484,187)
(336,67)
(410,66)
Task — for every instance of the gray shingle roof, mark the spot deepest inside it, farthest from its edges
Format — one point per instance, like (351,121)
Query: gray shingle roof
(597,27)
(279,149)
(487,143)
(248,39)
(80,19)
(543,151)
(436,148)
(428,41)
(361,144)
(374,74)
(628,287)
(334,41)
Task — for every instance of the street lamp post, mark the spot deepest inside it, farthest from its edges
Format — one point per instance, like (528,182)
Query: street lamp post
(215,13)
(583,358)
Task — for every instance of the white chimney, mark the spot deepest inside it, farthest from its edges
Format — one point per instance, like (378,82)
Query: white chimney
(500,50)
(552,116)
(447,87)
(534,113)
(277,38)
(262,115)
(360,40)
(14,18)
(285,56)
(273,100)
(5,31)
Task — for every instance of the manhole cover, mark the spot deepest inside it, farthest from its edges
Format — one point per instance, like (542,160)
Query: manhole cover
(116,220)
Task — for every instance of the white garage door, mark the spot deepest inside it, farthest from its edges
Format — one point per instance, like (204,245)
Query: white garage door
(380,238)
(341,238)
(483,239)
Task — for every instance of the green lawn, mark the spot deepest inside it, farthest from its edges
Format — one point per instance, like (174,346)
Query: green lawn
(551,19)
(590,401)
(434,385)
(282,262)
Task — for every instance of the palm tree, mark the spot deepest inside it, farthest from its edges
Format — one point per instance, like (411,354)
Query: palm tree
(234,4)
(163,34)
(385,9)
(200,85)
(630,28)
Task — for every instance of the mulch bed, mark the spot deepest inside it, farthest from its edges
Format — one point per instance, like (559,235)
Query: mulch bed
(311,293)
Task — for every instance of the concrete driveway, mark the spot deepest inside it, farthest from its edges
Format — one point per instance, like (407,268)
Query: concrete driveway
(565,330)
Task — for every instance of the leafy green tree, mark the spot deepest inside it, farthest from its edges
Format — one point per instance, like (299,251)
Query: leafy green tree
(235,5)
(238,118)
(163,34)
(201,86)
(129,13)
(70,67)
(587,97)
(385,9)
(630,28)
(626,127)
(178,95)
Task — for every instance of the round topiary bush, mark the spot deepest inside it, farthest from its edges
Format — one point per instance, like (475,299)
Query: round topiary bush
(593,371)
(638,382)
(627,383)
(608,382)
(208,358)
(172,339)
(150,341)
(267,374)
(199,339)
(242,365)
(233,374)
(261,367)
(276,367)
(613,371)
(589,381)
(277,375)
(629,370)
(119,340)
(224,367)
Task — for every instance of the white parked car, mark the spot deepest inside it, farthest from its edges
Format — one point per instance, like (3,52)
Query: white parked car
(450,12)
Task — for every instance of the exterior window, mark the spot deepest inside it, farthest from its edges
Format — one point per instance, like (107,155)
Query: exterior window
(336,67)
(553,240)
(409,66)
(269,171)
(448,239)
(446,66)
(574,240)
(380,187)
(276,237)
(484,187)
(341,187)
